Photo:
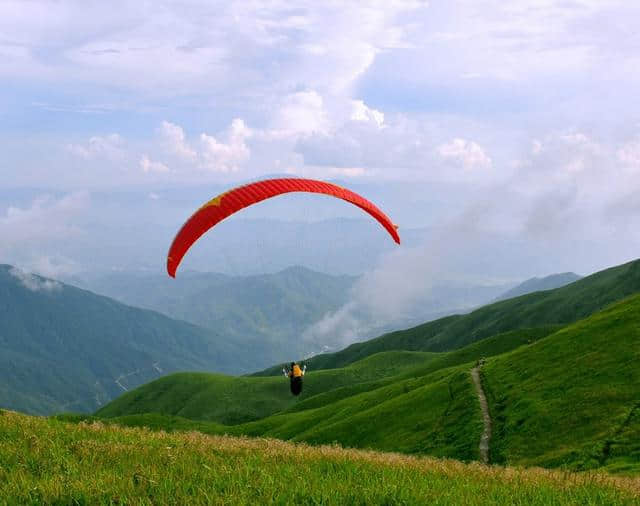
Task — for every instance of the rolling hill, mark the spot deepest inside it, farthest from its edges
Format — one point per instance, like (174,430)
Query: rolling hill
(233,400)
(559,395)
(68,349)
(569,399)
(581,385)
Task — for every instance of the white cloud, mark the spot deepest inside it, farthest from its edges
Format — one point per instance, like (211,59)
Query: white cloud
(629,154)
(360,112)
(110,147)
(32,235)
(562,156)
(573,185)
(219,46)
(224,153)
(300,113)
(175,140)
(348,171)
(147,165)
(397,146)
(51,266)
(336,72)
(404,286)
(218,156)
(467,153)
(336,328)
(575,138)
(46,217)
(34,282)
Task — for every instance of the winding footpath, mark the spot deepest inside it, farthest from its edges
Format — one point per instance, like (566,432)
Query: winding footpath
(486,433)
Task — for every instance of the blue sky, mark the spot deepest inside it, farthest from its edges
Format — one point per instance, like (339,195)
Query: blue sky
(532,104)
(165,81)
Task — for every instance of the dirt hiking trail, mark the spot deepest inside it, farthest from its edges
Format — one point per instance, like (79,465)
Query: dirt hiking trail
(486,433)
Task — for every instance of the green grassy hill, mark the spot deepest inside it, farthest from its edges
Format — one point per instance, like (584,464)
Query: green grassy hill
(414,402)
(68,349)
(559,396)
(233,400)
(568,399)
(51,462)
(435,414)
(573,398)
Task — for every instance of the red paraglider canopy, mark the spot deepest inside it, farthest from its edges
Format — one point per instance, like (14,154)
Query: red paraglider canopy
(232,201)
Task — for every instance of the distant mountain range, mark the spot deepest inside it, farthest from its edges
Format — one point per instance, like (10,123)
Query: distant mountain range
(64,348)
(273,310)
(270,311)
(538,284)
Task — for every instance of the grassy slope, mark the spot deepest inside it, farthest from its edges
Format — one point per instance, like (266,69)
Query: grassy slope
(560,306)
(47,461)
(233,400)
(436,414)
(488,347)
(469,354)
(404,401)
(572,398)
(564,399)
(563,305)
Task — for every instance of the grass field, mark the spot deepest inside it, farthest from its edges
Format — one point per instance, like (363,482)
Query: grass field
(572,398)
(238,399)
(436,414)
(46,461)
(234,400)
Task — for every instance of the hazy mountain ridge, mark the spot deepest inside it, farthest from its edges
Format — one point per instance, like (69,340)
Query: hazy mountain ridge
(562,305)
(273,311)
(65,348)
(538,284)
(253,321)
(269,311)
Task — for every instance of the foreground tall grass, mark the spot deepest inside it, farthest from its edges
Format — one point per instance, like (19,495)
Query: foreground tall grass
(48,461)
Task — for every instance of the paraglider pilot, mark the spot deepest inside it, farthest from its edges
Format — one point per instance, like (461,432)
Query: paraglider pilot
(295,374)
